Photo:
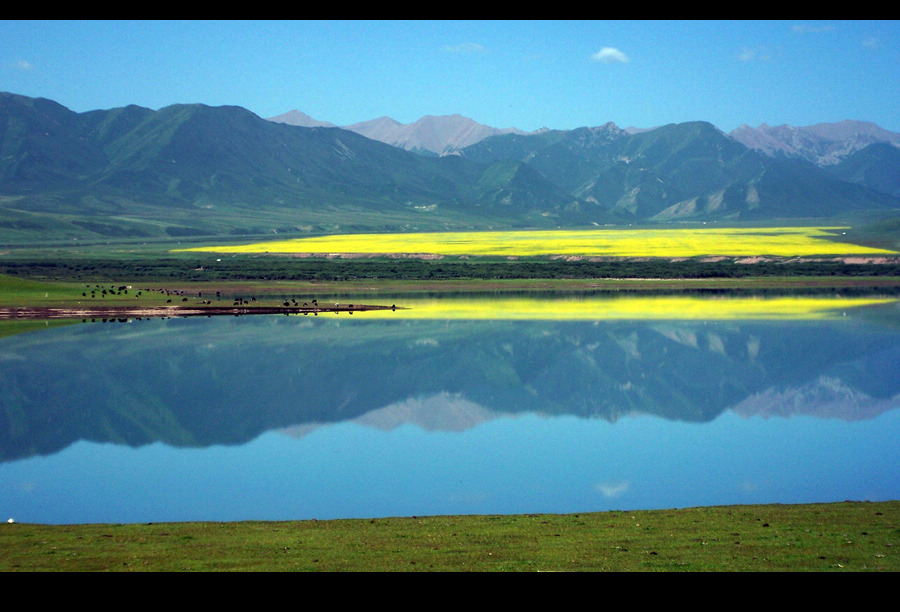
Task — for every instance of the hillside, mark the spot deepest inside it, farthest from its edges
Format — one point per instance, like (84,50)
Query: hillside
(195,170)
(876,166)
(688,171)
(827,145)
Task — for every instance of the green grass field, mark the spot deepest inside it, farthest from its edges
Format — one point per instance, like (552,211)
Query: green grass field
(842,537)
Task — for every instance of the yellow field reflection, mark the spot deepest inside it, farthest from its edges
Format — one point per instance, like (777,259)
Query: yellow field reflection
(628,307)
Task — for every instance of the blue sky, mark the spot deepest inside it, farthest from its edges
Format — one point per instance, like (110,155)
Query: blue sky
(524,74)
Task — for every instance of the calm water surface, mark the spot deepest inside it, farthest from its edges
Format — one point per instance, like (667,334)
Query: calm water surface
(458,412)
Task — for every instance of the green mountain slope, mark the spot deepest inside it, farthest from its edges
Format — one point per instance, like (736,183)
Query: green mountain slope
(192,169)
(876,166)
(198,169)
(680,171)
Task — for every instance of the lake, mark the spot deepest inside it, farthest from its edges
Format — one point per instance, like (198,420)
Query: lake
(468,404)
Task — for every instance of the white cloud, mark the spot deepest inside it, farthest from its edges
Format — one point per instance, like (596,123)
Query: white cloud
(466,48)
(871,43)
(610,55)
(747,54)
(23,65)
(612,489)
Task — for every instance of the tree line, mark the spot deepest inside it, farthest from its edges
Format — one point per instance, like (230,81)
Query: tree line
(256,268)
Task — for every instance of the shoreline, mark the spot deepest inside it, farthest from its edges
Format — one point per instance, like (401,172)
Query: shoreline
(114,312)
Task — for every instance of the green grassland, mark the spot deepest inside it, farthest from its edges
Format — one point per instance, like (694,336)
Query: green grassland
(840,537)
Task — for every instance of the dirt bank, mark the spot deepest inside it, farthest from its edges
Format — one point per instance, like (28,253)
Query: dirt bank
(125,312)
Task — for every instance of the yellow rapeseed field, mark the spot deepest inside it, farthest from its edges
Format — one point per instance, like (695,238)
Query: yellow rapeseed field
(741,242)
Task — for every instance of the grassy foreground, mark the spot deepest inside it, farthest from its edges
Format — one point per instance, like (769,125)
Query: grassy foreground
(847,536)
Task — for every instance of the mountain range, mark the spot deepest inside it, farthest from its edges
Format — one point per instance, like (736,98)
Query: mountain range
(824,144)
(438,135)
(197,170)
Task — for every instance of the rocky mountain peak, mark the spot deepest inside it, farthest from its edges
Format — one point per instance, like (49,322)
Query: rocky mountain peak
(299,118)
(823,144)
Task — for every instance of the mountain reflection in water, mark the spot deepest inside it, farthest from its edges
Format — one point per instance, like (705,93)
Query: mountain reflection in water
(232,382)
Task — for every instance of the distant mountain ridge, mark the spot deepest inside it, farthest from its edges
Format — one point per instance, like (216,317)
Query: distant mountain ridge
(837,147)
(824,144)
(196,170)
(300,119)
(439,135)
